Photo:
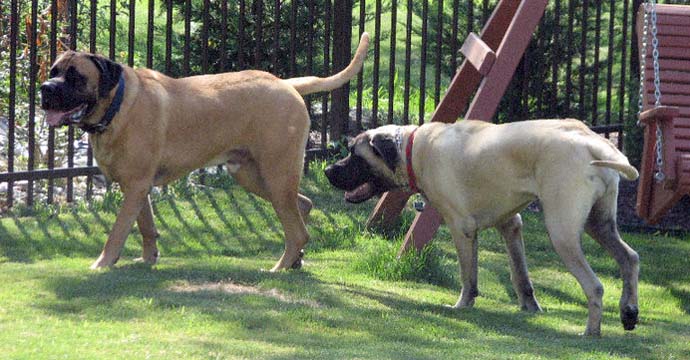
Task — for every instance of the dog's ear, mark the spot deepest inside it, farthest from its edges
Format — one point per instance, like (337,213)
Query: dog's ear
(384,147)
(110,74)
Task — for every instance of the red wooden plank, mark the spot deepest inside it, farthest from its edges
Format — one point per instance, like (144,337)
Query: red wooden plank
(668,76)
(478,53)
(682,133)
(676,10)
(668,40)
(669,89)
(386,212)
(672,52)
(673,30)
(670,64)
(673,20)
(683,120)
(508,56)
(672,100)
(422,229)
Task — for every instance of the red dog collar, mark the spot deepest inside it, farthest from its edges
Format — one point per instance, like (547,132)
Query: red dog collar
(411,178)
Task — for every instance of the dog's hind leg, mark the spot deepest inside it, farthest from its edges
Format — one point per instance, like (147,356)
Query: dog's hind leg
(285,201)
(147,228)
(511,230)
(602,227)
(290,206)
(565,214)
(249,178)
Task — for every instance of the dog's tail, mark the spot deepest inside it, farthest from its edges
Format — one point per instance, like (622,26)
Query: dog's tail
(311,84)
(609,156)
(628,171)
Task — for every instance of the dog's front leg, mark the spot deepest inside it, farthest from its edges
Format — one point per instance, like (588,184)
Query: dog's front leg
(135,198)
(147,228)
(511,231)
(465,238)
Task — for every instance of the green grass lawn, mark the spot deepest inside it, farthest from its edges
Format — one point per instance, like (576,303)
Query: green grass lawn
(209,296)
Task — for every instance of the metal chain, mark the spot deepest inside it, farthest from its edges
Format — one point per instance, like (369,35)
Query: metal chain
(650,9)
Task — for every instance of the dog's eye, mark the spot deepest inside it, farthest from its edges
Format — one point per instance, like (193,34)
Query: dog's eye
(53,73)
(74,77)
(376,152)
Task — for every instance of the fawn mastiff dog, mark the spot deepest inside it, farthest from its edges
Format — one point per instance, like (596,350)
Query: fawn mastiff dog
(480,175)
(147,129)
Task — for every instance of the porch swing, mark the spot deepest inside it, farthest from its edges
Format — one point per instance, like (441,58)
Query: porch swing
(665,168)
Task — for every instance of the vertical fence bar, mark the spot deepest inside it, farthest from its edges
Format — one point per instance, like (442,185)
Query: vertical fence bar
(326,70)
(360,76)
(391,61)
(187,38)
(276,36)
(595,66)
(204,36)
(32,100)
(113,33)
(130,33)
(569,56)
(377,60)
(470,16)
(624,59)
(14,34)
(258,31)
(51,130)
(583,56)
(454,38)
(310,46)
(408,63)
(240,34)
(70,130)
(555,58)
(439,47)
(538,88)
(422,70)
(293,38)
(223,61)
(609,60)
(149,34)
(168,36)
(485,11)
(92,48)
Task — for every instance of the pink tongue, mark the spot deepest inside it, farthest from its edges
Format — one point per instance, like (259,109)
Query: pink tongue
(54,117)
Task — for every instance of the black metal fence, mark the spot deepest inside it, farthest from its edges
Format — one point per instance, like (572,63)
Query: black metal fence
(581,63)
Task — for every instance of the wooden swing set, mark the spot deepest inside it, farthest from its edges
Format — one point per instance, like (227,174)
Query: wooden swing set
(491,59)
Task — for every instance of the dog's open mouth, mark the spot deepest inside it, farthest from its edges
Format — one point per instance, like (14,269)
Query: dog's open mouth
(362,193)
(58,117)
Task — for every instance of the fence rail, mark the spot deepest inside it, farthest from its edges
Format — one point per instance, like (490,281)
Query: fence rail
(581,63)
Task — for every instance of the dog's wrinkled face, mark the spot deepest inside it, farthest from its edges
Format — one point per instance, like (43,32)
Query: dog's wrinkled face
(369,169)
(77,82)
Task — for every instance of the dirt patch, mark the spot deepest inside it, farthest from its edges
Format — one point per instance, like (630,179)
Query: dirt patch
(228,287)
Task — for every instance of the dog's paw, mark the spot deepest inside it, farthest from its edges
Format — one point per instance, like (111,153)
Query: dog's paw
(629,317)
(151,259)
(102,262)
(299,262)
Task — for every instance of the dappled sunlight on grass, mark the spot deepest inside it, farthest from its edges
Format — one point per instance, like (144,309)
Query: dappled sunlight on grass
(210,295)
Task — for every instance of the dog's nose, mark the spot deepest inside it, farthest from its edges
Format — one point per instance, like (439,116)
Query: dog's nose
(48,88)
(329,172)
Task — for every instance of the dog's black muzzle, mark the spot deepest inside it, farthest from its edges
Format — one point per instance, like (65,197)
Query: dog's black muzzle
(349,173)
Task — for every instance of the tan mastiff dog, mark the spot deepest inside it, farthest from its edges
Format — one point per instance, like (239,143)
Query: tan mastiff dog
(148,129)
(480,175)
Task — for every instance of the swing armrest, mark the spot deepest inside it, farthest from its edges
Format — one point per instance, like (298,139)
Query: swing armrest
(660,113)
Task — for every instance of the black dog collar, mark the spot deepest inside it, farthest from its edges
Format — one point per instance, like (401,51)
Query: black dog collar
(110,113)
